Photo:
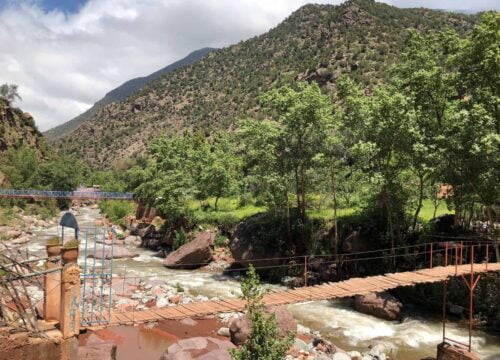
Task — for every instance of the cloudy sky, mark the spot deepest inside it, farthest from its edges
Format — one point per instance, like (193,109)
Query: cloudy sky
(66,54)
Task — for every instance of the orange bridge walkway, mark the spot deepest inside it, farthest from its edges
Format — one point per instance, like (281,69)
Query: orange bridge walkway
(348,288)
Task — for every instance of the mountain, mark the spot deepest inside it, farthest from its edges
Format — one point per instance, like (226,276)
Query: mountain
(122,92)
(18,128)
(319,43)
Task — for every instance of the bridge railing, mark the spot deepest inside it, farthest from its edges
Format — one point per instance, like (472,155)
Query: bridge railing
(32,193)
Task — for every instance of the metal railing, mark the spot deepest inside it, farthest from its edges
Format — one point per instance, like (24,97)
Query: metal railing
(95,195)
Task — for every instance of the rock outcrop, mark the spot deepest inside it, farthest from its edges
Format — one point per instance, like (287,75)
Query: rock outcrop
(382,305)
(193,254)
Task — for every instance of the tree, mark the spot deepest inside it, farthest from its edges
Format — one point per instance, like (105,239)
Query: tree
(221,171)
(264,342)
(20,166)
(9,92)
(281,151)
(424,77)
(377,129)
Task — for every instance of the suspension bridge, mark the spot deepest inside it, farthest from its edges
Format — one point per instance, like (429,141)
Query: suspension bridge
(328,291)
(81,194)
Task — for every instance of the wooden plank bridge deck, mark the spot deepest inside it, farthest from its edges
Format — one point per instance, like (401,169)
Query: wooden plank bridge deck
(348,288)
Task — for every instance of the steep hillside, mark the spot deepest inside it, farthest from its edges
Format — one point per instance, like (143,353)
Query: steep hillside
(18,128)
(316,43)
(122,92)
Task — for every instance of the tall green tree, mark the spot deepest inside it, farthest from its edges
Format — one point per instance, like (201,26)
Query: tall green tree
(283,148)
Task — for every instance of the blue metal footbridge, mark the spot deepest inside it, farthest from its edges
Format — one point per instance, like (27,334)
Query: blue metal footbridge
(86,194)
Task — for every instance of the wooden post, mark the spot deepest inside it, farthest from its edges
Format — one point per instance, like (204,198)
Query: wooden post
(431,255)
(70,301)
(305,271)
(52,290)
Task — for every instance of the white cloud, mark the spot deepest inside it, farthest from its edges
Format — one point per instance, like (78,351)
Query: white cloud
(63,63)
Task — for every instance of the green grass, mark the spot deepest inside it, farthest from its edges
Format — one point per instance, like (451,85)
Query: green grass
(117,210)
(427,211)
(228,208)
(327,214)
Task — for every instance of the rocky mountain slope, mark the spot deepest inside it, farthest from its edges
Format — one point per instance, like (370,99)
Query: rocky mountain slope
(316,43)
(17,128)
(122,92)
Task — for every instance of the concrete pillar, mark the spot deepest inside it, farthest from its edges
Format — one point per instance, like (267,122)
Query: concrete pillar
(52,290)
(70,301)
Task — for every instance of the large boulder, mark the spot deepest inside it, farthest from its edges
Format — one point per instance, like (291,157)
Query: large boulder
(112,252)
(191,255)
(354,243)
(240,328)
(201,348)
(256,238)
(444,223)
(132,240)
(382,305)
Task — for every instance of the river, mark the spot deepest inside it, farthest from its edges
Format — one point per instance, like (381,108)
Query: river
(413,339)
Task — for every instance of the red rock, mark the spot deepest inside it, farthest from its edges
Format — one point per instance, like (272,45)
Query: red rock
(241,327)
(174,299)
(382,305)
(193,254)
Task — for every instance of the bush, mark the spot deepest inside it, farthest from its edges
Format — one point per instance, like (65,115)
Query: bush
(245,199)
(220,241)
(117,210)
(180,238)
(264,342)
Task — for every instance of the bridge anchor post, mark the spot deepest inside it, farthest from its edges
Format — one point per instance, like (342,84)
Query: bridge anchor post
(52,290)
(70,301)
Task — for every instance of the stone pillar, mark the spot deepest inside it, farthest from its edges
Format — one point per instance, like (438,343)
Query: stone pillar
(52,290)
(70,301)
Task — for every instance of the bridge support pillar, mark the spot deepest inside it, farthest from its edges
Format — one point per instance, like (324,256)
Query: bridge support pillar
(70,301)
(52,290)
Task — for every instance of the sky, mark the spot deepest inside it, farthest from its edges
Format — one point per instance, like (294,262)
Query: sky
(67,54)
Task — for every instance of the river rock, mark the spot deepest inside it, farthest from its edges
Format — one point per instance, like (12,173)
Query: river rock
(14,233)
(191,255)
(161,302)
(382,305)
(174,299)
(201,348)
(132,240)
(354,243)
(241,327)
(119,252)
(340,356)
(224,331)
(457,309)
(20,240)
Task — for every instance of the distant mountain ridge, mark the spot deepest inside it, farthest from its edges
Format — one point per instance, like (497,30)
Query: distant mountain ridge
(320,43)
(122,92)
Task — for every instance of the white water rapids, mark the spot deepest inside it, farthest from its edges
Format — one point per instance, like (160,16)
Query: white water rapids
(413,339)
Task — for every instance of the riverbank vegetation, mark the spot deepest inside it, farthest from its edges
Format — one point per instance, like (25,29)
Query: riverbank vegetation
(385,152)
